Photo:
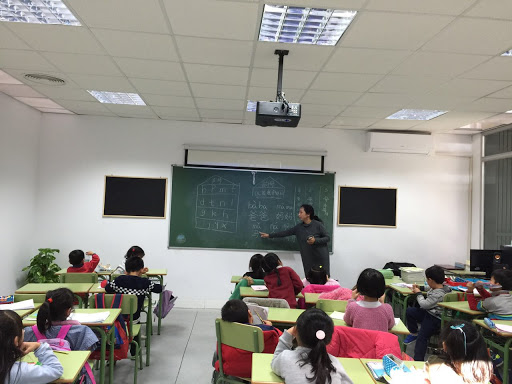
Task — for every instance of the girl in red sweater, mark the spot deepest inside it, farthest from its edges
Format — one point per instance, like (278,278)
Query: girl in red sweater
(282,282)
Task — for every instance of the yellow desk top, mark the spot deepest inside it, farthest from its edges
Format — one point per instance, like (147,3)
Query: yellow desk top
(25,312)
(419,365)
(249,292)
(45,287)
(460,306)
(156,272)
(114,312)
(100,273)
(504,322)
(262,373)
(72,362)
(235,279)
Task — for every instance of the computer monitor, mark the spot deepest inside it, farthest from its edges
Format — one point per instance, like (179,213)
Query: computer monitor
(482,260)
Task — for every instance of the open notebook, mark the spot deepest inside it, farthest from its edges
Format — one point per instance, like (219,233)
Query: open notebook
(25,304)
(96,317)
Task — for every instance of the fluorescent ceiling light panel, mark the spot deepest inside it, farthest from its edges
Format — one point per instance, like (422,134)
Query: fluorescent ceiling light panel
(251,106)
(117,98)
(284,24)
(508,53)
(37,12)
(415,114)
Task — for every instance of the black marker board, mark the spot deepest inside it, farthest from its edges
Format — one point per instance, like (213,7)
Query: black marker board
(367,206)
(134,197)
(213,208)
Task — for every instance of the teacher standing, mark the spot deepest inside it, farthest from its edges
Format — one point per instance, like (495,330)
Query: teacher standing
(312,238)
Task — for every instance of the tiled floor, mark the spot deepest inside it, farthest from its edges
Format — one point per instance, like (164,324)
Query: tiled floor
(181,354)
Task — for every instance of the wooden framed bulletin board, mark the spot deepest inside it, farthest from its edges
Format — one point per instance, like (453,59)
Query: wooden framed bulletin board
(364,206)
(140,197)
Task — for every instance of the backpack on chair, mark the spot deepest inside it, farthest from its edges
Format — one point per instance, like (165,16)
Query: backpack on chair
(122,344)
(167,303)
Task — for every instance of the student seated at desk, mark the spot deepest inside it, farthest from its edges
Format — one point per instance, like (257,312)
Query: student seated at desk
(52,316)
(133,251)
(465,359)
(371,312)
(255,275)
(237,362)
(317,281)
(133,284)
(13,347)
(282,282)
(429,312)
(499,302)
(76,259)
(309,362)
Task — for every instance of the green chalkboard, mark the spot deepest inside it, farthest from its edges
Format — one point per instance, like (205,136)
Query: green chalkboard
(212,208)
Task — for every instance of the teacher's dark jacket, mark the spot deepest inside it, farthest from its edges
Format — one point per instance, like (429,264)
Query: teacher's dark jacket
(312,255)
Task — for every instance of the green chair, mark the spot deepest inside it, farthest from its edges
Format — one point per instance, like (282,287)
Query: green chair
(128,307)
(332,305)
(240,336)
(79,278)
(37,297)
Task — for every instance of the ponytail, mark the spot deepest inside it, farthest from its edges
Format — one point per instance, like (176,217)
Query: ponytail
(270,263)
(10,328)
(55,308)
(315,331)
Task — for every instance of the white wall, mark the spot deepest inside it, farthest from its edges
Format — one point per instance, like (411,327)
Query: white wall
(78,151)
(19,146)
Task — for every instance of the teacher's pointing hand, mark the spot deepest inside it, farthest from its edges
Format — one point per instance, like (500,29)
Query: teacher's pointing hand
(264,235)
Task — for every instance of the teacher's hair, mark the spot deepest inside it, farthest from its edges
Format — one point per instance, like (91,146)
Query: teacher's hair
(311,212)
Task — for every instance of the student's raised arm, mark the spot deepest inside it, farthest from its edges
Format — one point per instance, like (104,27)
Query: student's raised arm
(285,344)
(49,370)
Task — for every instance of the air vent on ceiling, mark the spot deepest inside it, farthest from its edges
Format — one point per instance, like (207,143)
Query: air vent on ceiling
(44,79)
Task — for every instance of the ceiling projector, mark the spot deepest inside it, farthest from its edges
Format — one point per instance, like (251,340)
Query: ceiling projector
(278,113)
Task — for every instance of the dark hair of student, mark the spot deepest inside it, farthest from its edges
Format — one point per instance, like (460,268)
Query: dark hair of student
(435,273)
(76,257)
(270,263)
(503,277)
(317,275)
(10,327)
(133,264)
(466,351)
(55,308)
(311,326)
(256,266)
(235,311)
(371,283)
(134,250)
(311,212)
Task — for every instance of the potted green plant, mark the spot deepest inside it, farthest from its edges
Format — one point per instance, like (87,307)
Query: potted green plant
(42,268)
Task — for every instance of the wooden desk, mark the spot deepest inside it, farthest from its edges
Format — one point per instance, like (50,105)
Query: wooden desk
(25,312)
(249,292)
(262,373)
(71,361)
(458,307)
(288,317)
(498,340)
(236,279)
(107,273)
(76,288)
(311,298)
(416,364)
(105,335)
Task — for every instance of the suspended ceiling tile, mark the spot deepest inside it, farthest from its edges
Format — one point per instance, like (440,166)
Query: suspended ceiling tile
(270,93)
(216,74)
(497,68)
(220,104)
(57,38)
(64,92)
(301,56)
(213,19)
(354,121)
(5,78)
(9,40)
(19,90)
(215,51)
(408,84)
(383,100)
(85,107)
(505,93)
(473,36)
(125,15)
(160,87)
(361,60)
(488,104)
(395,124)
(496,9)
(330,97)
(438,101)
(168,101)
(150,69)
(315,120)
(55,110)
(393,30)
(150,46)
(103,83)
(453,120)
(438,7)
(83,64)
(131,111)
(223,121)
(29,60)
(176,113)
(261,77)
(321,109)
(221,91)
(345,81)
(38,102)
(368,112)
(472,87)
(438,64)
(336,4)
(221,114)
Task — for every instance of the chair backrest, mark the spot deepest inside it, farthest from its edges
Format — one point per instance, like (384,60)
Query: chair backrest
(268,302)
(452,296)
(37,297)
(128,307)
(79,278)
(332,305)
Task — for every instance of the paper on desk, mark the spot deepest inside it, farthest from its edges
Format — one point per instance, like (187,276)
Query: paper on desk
(25,304)
(259,287)
(504,328)
(403,285)
(464,289)
(97,317)
(397,321)
(338,315)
